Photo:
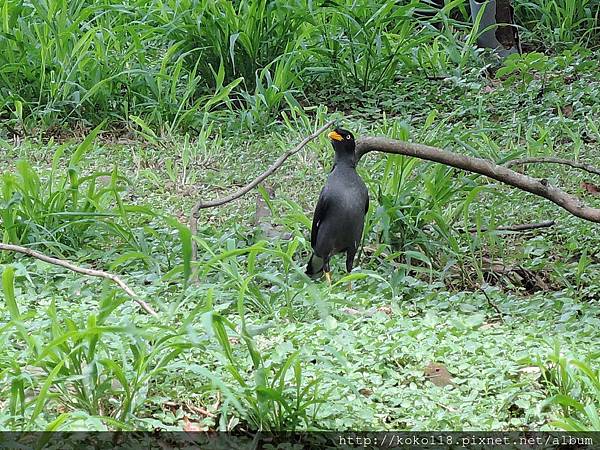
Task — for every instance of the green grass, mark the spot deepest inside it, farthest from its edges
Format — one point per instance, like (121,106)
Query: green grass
(169,64)
(255,343)
(561,22)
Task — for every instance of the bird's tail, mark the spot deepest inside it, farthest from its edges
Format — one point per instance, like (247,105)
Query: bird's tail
(314,268)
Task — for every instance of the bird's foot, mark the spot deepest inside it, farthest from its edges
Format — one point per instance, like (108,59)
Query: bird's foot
(349,285)
(328,277)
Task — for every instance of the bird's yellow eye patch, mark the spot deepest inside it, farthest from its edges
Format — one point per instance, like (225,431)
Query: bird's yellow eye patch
(335,136)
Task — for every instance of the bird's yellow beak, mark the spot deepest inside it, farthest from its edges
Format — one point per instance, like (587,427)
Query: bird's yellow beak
(335,136)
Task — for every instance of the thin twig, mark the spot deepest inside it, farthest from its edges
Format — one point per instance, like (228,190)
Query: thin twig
(566,162)
(82,270)
(447,408)
(195,213)
(493,305)
(519,227)
(200,411)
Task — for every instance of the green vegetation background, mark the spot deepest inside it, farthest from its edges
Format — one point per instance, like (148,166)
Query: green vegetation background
(117,116)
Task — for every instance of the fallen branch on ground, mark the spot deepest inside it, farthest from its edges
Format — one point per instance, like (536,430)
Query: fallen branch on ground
(519,227)
(493,305)
(248,187)
(565,162)
(82,270)
(483,167)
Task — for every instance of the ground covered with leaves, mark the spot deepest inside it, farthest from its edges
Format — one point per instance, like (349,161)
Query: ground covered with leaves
(451,324)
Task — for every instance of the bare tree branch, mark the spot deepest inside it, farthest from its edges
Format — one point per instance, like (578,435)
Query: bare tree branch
(82,270)
(483,167)
(247,188)
(575,164)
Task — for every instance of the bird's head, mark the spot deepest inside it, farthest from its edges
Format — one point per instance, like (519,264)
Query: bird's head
(342,140)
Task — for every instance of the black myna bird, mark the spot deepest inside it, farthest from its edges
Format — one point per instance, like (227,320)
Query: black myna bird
(340,213)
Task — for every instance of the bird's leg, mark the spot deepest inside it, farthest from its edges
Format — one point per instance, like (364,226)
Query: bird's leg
(349,263)
(327,271)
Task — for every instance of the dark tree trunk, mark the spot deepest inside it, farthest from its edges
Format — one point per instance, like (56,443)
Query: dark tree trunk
(506,34)
(497,19)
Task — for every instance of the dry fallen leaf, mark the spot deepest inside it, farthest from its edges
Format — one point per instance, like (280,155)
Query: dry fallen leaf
(567,110)
(438,374)
(590,188)
(192,426)
(385,309)
(366,392)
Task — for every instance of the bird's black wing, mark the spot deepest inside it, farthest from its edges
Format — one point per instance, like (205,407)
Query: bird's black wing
(367,205)
(320,211)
